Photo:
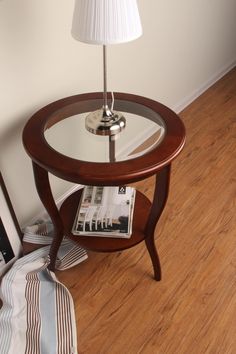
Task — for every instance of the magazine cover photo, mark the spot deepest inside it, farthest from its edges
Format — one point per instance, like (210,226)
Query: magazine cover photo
(105,211)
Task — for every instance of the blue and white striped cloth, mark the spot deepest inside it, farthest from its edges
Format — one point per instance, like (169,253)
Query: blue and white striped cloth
(37,316)
(69,254)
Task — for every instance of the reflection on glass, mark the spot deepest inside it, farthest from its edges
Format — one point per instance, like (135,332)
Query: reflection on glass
(141,135)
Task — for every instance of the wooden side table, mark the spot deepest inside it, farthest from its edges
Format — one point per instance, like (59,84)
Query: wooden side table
(53,149)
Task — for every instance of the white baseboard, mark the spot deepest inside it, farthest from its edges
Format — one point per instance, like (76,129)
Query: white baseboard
(73,189)
(144,135)
(206,85)
(43,215)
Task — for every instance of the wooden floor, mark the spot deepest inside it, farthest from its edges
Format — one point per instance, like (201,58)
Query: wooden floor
(120,308)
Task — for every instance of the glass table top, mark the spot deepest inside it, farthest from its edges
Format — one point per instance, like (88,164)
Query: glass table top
(144,131)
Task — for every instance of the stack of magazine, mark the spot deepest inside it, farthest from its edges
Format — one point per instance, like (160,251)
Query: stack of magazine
(105,212)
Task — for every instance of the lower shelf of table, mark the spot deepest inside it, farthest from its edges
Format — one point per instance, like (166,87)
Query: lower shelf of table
(106,244)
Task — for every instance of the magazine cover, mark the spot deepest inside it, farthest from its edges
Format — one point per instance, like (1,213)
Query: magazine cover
(105,212)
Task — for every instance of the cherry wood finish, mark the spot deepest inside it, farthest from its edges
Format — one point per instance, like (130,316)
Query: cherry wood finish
(158,204)
(92,173)
(155,162)
(46,197)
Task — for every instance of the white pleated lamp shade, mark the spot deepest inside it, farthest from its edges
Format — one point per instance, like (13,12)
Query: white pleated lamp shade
(106,21)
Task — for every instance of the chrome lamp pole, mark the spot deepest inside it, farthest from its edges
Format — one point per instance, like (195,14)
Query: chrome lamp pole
(105,121)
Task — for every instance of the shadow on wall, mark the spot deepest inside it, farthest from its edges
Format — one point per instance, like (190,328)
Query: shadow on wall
(15,163)
(12,134)
(11,146)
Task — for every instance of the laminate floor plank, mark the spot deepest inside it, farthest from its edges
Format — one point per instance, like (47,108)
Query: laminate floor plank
(120,308)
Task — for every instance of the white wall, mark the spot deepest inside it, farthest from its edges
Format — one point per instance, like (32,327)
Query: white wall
(186,45)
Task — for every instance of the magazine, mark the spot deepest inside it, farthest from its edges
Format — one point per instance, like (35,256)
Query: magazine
(105,212)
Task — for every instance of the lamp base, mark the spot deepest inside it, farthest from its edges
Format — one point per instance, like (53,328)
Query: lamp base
(105,122)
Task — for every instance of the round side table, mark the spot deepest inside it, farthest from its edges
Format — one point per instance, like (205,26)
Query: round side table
(56,140)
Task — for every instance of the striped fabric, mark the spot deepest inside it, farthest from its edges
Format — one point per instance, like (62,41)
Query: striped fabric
(37,316)
(69,254)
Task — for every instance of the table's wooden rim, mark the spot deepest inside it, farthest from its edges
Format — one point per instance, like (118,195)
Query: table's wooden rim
(101,173)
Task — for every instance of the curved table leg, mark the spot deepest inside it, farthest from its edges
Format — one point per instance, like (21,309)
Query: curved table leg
(45,194)
(158,204)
